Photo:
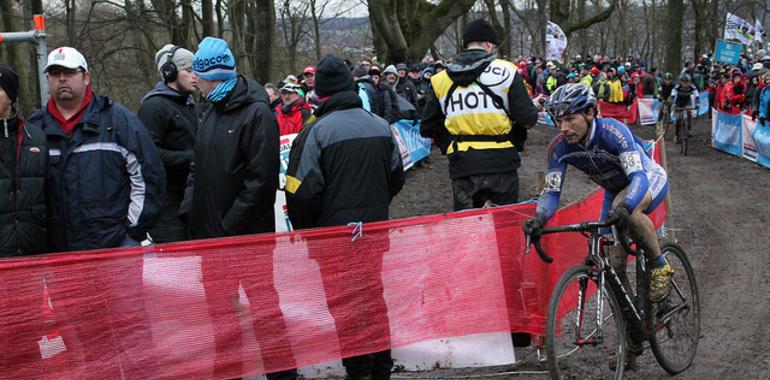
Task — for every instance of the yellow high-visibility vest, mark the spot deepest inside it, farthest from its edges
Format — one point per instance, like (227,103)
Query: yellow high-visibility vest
(471,112)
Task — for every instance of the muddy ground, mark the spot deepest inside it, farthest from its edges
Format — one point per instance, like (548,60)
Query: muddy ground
(720,211)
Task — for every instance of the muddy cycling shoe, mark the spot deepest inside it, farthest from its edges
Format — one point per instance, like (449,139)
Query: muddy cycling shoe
(660,283)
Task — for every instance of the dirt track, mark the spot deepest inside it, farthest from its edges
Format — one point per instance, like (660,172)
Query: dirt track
(720,210)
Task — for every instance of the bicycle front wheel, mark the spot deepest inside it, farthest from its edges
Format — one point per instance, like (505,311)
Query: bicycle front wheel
(676,323)
(585,329)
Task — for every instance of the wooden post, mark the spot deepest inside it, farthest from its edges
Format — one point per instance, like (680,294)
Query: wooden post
(660,132)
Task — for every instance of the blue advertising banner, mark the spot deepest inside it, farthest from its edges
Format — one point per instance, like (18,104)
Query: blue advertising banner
(761,136)
(726,132)
(703,103)
(413,146)
(728,52)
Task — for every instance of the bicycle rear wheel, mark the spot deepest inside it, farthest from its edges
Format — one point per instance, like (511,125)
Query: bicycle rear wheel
(676,323)
(584,340)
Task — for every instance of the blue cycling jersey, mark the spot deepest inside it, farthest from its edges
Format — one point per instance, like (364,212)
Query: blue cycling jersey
(611,156)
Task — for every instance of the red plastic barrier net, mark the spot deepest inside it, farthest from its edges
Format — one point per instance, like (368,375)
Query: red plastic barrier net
(231,307)
(621,112)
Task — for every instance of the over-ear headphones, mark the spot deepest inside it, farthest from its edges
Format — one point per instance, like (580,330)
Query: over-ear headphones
(168,71)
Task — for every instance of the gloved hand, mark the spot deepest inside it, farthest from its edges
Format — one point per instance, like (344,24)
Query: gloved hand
(620,215)
(754,115)
(532,227)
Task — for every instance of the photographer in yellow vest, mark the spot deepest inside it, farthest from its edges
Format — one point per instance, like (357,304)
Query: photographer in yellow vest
(479,117)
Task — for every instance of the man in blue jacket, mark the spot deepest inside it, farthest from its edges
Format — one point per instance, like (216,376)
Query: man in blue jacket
(106,181)
(104,189)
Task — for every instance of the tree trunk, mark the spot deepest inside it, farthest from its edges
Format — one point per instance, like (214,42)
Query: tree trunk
(187,24)
(264,30)
(673,37)
(144,61)
(316,17)
(419,22)
(504,46)
(207,18)
(220,19)
(541,23)
(583,34)
(507,28)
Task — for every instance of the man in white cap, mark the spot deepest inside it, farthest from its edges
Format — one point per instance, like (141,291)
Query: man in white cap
(105,189)
(169,113)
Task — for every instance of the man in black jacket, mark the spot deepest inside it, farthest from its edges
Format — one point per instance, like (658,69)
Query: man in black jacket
(372,101)
(346,167)
(168,112)
(405,87)
(23,168)
(231,191)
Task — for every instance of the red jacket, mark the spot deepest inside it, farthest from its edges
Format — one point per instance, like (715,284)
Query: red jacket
(733,96)
(292,116)
(719,96)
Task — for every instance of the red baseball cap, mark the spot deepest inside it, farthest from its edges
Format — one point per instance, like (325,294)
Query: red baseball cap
(595,70)
(309,70)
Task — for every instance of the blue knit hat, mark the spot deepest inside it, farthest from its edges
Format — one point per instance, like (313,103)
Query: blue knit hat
(214,60)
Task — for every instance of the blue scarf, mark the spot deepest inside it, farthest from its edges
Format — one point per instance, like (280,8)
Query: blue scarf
(222,90)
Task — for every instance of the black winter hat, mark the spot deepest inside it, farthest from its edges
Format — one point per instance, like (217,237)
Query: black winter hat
(479,31)
(332,76)
(9,81)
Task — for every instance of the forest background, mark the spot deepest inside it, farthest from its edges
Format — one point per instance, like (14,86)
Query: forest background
(274,38)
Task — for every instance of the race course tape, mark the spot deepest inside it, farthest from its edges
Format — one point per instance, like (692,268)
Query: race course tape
(231,307)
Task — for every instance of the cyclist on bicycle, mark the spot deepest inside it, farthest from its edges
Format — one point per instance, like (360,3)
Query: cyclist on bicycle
(666,86)
(615,159)
(683,94)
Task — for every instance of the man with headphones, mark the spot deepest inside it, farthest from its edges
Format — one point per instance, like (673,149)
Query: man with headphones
(169,113)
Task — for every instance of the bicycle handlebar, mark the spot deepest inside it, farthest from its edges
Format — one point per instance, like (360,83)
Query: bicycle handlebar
(579,227)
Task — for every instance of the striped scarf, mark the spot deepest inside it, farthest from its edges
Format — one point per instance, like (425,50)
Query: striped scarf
(222,90)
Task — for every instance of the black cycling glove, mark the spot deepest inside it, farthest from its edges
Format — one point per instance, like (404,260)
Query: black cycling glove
(533,226)
(620,215)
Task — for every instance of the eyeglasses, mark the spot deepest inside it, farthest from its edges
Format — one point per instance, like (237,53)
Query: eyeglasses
(56,73)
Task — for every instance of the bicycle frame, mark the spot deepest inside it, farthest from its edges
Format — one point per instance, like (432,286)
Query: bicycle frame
(633,312)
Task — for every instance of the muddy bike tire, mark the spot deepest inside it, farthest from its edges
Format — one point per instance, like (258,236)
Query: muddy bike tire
(675,343)
(589,361)
(680,135)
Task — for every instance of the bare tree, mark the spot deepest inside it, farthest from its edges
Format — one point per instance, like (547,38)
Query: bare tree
(407,29)
(293,22)
(561,9)
(319,15)
(503,34)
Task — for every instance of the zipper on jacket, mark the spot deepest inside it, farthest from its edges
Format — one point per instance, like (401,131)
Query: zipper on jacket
(5,127)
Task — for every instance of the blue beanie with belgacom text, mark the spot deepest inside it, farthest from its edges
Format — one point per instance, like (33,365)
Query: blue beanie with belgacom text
(214,60)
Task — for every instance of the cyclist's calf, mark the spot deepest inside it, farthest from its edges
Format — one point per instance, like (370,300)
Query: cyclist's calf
(640,227)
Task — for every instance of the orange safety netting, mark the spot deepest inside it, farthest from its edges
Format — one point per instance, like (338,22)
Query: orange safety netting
(224,308)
